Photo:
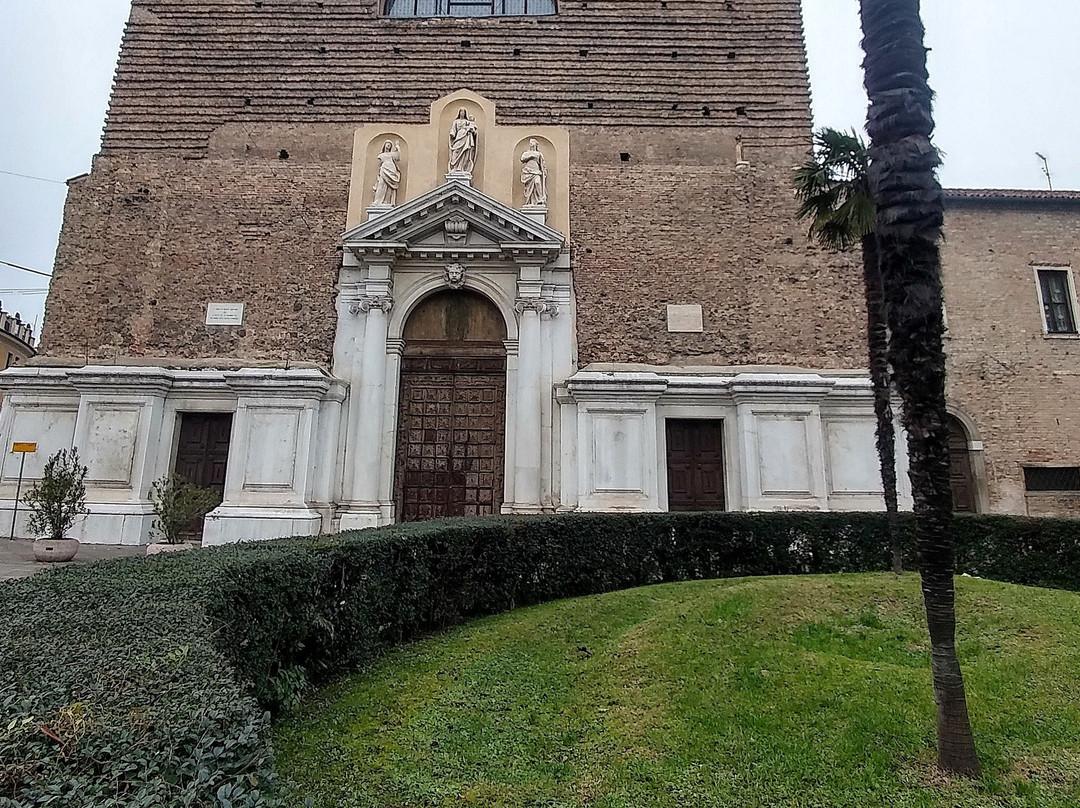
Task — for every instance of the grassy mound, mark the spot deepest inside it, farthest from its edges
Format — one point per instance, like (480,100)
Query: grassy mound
(810,691)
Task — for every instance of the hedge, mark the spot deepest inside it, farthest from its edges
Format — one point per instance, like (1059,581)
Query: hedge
(150,682)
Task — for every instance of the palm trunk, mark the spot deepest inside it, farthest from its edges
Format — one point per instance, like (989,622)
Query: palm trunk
(910,214)
(878,350)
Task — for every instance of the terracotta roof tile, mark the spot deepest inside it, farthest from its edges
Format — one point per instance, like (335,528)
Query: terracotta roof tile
(1008,195)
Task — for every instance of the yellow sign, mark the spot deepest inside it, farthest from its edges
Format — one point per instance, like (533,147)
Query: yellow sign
(24,448)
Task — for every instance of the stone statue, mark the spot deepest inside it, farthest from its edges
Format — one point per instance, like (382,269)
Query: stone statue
(463,138)
(534,175)
(389,178)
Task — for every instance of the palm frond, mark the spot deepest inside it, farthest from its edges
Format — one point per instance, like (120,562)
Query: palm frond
(833,190)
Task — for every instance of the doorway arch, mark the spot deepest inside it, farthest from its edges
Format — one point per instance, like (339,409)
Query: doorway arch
(451,440)
(961,472)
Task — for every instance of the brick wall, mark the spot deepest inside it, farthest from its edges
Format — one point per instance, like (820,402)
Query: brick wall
(188,68)
(1021,389)
(190,202)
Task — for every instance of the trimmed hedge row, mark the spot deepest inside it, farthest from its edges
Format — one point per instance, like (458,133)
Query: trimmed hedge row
(148,682)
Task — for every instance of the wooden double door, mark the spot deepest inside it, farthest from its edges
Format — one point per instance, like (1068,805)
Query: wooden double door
(202,454)
(452,413)
(695,461)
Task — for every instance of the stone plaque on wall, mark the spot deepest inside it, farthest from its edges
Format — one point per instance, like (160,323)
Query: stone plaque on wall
(224,313)
(685,318)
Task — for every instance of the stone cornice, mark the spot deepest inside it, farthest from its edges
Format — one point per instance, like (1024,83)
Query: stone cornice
(109,380)
(287,384)
(591,386)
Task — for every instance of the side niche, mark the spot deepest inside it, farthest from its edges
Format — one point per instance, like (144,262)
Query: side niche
(386,163)
(535,178)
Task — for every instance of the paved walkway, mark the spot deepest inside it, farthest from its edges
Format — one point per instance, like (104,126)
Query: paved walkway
(17,557)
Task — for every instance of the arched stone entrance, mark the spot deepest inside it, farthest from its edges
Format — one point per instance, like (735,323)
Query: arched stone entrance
(961,475)
(452,413)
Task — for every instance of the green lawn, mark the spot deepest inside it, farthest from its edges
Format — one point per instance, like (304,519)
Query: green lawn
(762,692)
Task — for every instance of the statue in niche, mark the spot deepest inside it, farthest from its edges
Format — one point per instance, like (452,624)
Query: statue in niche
(389,177)
(534,175)
(463,138)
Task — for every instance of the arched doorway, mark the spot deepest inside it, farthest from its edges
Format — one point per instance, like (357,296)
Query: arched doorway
(452,416)
(961,478)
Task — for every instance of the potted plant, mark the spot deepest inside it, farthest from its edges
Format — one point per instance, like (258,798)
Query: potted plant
(55,502)
(178,503)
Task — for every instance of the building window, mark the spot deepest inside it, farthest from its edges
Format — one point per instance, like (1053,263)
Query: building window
(1056,294)
(468,8)
(1052,478)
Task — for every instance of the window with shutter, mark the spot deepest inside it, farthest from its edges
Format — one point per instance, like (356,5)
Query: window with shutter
(1056,292)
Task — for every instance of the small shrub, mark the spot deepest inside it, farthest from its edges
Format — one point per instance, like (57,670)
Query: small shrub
(177,504)
(59,497)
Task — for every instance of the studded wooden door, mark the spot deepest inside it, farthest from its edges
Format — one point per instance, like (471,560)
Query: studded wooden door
(450,447)
(452,412)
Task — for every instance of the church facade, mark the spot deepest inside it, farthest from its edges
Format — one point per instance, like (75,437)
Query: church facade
(354,263)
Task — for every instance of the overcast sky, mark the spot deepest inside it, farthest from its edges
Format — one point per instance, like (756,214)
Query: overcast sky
(1005,73)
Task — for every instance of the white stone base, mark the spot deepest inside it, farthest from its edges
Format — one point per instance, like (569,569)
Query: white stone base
(363,517)
(227,525)
(21,530)
(375,211)
(538,213)
(107,523)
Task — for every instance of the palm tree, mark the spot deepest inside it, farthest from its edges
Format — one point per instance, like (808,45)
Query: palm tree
(910,214)
(834,195)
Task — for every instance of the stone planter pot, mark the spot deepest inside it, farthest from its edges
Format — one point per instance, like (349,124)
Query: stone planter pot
(163,547)
(55,550)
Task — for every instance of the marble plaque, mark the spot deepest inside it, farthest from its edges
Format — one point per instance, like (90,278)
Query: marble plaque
(224,313)
(685,318)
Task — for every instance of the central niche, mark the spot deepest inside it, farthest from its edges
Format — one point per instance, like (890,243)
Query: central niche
(452,412)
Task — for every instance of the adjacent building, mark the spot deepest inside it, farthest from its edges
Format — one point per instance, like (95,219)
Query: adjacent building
(16,339)
(1014,349)
(359,262)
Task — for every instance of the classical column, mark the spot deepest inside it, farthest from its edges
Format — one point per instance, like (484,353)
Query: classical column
(547,458)
(364,453)
(527,446)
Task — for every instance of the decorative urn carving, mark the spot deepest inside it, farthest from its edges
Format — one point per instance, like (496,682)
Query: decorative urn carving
(457,227)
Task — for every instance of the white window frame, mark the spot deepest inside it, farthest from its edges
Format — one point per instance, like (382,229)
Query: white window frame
(1036,269)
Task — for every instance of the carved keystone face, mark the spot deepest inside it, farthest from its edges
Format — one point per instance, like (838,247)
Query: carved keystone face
(455,275)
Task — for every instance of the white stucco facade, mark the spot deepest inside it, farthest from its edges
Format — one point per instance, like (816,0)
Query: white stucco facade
(300,463)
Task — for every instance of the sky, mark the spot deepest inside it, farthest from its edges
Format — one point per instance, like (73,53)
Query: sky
(1005,73)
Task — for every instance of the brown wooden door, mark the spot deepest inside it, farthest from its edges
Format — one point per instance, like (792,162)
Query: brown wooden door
(452,411)
(961,479)
(202,454)
(451,437)
(695,454)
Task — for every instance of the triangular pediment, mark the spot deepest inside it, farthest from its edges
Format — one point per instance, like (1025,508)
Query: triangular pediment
(452,218)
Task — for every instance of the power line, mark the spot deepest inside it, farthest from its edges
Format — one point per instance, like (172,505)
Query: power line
(24,291)
(26,269)
(29,177)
